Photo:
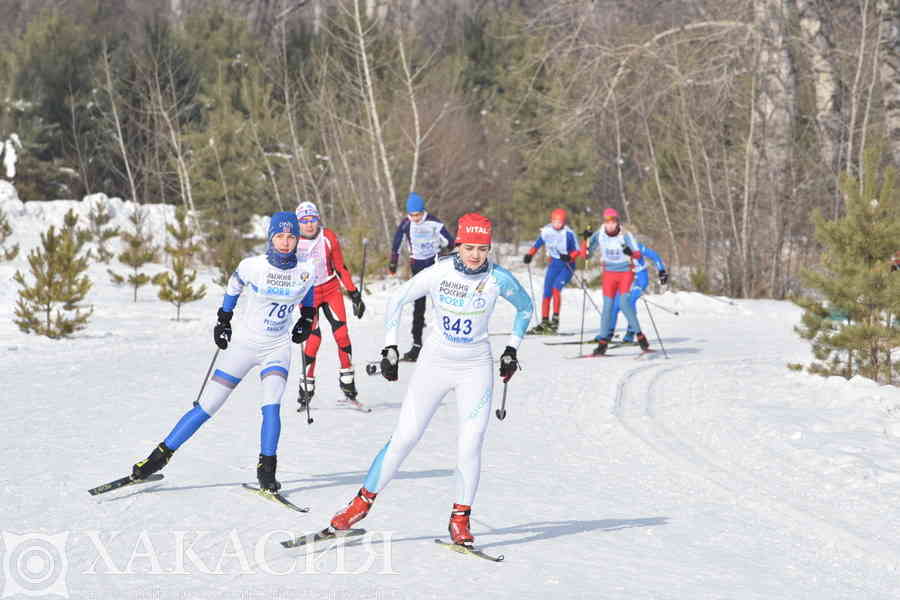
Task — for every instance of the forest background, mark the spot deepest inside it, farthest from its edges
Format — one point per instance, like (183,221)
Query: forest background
(716,127)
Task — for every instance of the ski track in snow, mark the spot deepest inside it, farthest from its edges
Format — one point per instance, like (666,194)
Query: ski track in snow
(715,474)
(637,396)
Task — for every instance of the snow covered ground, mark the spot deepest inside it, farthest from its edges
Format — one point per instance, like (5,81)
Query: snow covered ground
(714,474)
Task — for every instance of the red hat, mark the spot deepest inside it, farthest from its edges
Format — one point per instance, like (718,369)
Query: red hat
(559,213)
(473,228)
(610,213)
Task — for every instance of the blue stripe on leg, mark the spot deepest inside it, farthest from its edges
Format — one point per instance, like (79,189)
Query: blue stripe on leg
(271,429)
(374,474)
(186,427)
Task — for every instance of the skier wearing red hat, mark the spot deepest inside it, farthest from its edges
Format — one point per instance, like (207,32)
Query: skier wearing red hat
(463,291)
(618,251)
(562,246)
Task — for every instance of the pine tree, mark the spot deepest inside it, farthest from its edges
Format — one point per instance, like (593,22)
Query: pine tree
(60,285)
(226,253)
(6,231)
(177,286)
(856,281)
(98,219)
(139,250)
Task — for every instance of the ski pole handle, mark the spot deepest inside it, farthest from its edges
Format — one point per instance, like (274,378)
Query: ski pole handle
(501,412)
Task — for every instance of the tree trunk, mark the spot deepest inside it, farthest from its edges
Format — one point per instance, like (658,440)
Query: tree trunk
(417,130)
(889,38)
(816,32)
(775,114)
(372,108)
(117,122)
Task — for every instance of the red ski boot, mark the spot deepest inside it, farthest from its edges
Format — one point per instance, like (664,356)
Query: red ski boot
(355,511)
(459,525)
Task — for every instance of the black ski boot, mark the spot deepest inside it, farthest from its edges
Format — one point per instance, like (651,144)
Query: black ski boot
(348,383)
(265,473)
(307,390)
(554,323)
(541,328)
(413,354)
(642,341)
(157,460)
(600,350)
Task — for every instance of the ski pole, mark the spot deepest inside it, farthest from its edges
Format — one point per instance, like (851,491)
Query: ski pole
(581,282)
(303,387)
(718,299)
(501,412)
(583,306)
(668,310)
(647,306)
(205,379)
(531,287)
(362,274)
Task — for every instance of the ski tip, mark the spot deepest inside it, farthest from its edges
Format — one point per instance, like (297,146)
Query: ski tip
(123,482)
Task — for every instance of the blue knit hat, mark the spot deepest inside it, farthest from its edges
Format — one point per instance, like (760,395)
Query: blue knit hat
(284,222)
(415,203)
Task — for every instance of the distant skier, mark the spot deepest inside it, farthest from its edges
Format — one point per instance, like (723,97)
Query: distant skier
(425,236)
(320,246)
(562,247)
(618,252)
(641,281)
(272,284)
(457,358)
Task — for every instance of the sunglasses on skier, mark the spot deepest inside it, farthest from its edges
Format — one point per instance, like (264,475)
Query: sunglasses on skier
(611,219)
(308,219)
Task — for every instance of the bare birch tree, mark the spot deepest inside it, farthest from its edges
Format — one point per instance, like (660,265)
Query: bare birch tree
(889,39)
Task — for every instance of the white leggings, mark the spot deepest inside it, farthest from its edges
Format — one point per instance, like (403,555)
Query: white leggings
(438,371)
(234,364)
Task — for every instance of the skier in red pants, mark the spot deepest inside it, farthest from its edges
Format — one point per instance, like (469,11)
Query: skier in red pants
(321,246)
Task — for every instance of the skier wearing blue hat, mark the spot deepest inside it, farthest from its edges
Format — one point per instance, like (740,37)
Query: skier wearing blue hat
(425,236)
(272,284)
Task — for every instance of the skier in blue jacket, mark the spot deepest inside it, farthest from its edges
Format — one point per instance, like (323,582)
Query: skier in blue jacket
(425,235)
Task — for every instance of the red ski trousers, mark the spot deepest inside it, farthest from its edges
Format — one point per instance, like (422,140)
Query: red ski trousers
(329,299)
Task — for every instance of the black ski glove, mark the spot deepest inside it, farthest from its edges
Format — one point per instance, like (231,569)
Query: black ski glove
(565,258)
(392,265)
(359,307)
(390,362)
(222,330)
(663,277)
(304,325)
(587,233)
(508,364)
(627,249)
(527,258)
